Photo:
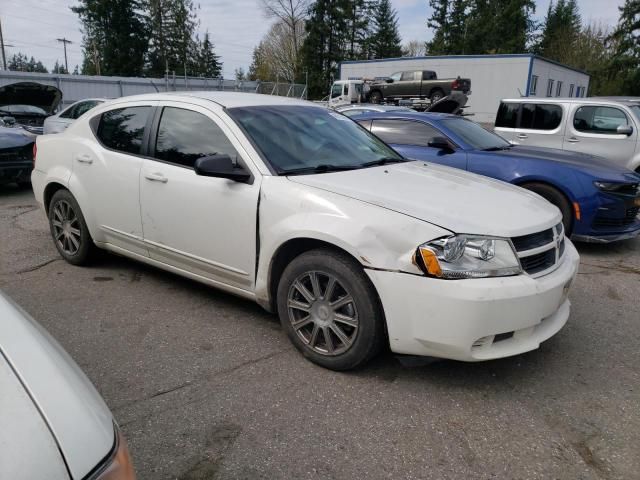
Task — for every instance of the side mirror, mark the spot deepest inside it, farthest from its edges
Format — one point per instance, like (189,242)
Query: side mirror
(389,80)
(440,143)
(624,130)
(221,166)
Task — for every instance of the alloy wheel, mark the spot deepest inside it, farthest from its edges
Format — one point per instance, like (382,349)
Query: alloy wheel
(66,228)
(322,313)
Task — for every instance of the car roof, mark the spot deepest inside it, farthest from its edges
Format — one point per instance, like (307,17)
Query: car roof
(372,106)
(622,100)
(224,99)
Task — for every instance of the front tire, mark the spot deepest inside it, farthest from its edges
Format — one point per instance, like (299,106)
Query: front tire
(375,97)
(69,229)
(555,197)
(330,310)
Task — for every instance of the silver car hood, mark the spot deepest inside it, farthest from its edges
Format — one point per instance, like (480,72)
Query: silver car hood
(77,421)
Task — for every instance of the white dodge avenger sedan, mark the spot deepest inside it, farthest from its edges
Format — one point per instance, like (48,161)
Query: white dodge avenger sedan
(302,210)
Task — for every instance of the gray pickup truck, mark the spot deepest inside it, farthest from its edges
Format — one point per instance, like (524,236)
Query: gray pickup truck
(420,84)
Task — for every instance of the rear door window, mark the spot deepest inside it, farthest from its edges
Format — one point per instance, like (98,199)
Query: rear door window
(540,116)
(404,132)
(596,119)
(123,129)
(185,136)
(507,115)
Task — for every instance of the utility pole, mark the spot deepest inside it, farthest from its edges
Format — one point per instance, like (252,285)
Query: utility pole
(4,57)
(64,42)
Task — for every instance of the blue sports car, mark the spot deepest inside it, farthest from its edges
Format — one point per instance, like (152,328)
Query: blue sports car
(599,201)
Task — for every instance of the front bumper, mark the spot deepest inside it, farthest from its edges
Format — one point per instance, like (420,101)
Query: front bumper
(476,319)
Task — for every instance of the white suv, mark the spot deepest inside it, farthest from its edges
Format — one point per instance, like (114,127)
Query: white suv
(606,126)
(302,210)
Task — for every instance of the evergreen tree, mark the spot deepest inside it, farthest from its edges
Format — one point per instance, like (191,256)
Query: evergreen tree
(385,41)
(260,67)
(209,64)
(561,29)
(359,25)
(439,23)
(626,43)
(58,68)
(239,74)
(323,47)
(115,36)
(76,71)
(20,63)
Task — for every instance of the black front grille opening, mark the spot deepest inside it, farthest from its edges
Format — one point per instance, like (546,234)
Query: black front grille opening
(533,240)
(604,221)
(502,336)
(539,262)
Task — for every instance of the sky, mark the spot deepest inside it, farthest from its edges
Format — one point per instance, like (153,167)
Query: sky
(236,26)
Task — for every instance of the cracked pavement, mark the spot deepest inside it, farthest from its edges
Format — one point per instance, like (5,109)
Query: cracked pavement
(206,385)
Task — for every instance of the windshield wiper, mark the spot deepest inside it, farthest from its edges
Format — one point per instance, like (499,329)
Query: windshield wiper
(496,148)
(322,168)
(383,161)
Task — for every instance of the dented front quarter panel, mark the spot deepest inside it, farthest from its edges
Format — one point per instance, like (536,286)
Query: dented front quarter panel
(376,237)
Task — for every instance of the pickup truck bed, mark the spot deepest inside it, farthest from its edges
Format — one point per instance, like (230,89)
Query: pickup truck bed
(419,84)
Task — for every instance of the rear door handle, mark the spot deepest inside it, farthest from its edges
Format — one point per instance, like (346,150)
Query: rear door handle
(572,140)
(156,177)
(84,158)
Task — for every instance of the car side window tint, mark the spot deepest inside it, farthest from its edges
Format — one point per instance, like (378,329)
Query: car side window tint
(507,115)
(185,136)
(83,107)
(123,129)
(541,116)
(595,119)
(407,76)
(336,91)
(404,132)
(68,113)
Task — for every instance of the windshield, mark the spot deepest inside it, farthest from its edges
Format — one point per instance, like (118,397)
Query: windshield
(292,138)
(476,136)
(22,109)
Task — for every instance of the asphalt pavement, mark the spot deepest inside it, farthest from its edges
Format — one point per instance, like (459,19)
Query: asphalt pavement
(206,385)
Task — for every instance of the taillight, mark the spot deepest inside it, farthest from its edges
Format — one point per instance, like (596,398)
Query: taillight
(35,151)
(455,85)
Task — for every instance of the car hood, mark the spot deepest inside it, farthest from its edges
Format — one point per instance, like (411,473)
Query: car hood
(46,97)
(584,162)
(14,137)
(75,414)
(453,199)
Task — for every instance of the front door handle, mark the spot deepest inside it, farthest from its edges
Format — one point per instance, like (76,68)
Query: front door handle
(84,158)
(156,177)
(572,140)
(523,136)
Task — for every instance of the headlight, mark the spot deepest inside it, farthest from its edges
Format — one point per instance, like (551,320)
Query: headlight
(118,466)
(467,256)
(621,188)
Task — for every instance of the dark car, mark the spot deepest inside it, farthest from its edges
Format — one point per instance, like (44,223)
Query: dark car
(599,200)
(416,84)
(29,103)
(16,156)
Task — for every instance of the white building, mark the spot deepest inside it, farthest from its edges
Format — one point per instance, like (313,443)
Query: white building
(493,77)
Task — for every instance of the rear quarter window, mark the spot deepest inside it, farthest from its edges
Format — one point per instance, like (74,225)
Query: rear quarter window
(123,129)
(507,115)
(540,116)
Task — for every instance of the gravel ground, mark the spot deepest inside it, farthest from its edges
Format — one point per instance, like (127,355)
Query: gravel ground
(205,385)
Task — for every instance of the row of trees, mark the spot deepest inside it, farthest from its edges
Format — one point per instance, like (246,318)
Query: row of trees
(144,37)
(309,39)
(507,26)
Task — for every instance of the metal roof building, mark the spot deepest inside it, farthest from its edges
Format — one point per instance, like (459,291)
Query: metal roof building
(493,77)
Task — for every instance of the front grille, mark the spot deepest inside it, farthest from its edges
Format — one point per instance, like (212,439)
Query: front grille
(540,251)
(539,262)
(8,155)
(534,240)
(605,221)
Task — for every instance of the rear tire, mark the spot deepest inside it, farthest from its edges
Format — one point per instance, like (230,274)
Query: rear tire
(375,97)
(69,229)
(554,196)
(330,310)
(436,95)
